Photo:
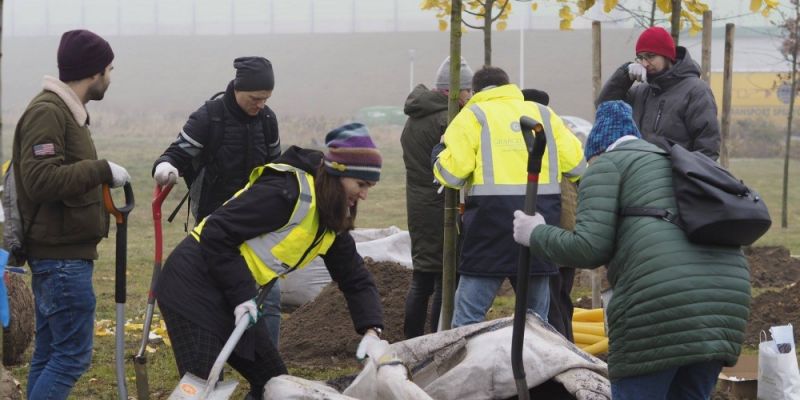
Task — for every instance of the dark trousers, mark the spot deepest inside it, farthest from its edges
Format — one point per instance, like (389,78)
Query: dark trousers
(196,349)
(561,307)
(423,285)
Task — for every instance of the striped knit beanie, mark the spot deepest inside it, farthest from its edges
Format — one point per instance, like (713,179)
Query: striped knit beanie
(352,153)
(614,119)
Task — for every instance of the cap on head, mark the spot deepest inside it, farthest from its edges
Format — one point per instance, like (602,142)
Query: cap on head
(351,153)
(81,54)
(443,75)
(614,119)
(252,74)
(656,40)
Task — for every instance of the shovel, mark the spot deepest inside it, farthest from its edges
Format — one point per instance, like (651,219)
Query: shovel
(121,216)
(192,387)
(535,145)
(140,359)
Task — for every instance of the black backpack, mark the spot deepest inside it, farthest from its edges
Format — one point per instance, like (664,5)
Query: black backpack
(714,207)
(202,171)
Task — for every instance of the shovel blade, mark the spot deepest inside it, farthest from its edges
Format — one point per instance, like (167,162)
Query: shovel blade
(191,388)
(142,384)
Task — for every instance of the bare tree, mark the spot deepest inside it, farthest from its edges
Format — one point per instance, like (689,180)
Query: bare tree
(789,28)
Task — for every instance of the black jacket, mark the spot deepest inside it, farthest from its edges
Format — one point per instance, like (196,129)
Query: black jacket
(243,146)
(204,281)
(674,106)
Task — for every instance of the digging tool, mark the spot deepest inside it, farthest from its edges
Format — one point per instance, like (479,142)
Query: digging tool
(192,387)
(535,145)
(140,359)
(121,216)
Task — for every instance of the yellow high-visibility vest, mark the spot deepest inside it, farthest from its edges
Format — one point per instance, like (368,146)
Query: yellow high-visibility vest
(485,150)
(292,246)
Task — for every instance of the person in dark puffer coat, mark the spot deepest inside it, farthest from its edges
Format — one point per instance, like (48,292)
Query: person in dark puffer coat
(672,103)
(427,121)
(679,309)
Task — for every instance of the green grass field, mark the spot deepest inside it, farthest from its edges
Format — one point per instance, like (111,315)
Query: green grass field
(135,141)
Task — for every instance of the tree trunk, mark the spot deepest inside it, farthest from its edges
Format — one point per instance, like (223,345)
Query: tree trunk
(727,85)
(450,195)
(653,13)
(676,20)
(487,33)
(785,192)
(705,68)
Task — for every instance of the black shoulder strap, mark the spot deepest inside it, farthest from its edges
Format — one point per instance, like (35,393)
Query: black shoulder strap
(662,213)
(216,116)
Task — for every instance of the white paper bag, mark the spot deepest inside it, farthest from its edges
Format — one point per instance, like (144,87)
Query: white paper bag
(778,375)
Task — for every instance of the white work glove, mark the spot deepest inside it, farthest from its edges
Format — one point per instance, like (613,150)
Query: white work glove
(119,175)
(369,340)
(637,72)
(248,308)
(524,225)
(165,174)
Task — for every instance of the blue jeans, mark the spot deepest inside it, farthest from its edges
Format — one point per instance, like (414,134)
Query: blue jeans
(689,382)
(475,295)
(272,312)
(65,303)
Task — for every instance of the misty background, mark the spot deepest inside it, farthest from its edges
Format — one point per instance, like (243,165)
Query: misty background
(331,57)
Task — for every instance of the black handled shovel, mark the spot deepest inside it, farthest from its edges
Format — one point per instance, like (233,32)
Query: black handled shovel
(535,145)
(140,359)
(121,216)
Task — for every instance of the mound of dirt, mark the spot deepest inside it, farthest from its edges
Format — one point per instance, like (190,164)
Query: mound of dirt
(321,332)
(772,266)
(774,308)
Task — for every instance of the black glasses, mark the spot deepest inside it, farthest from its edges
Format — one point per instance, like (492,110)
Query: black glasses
(646,57)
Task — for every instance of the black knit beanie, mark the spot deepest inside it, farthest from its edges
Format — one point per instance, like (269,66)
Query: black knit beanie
(253,73)
(82,54)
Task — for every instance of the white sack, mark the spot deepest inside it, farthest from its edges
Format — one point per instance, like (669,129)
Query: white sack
(474,362)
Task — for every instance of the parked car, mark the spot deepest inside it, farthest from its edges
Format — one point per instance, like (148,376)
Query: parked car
(579,126)
(381,115)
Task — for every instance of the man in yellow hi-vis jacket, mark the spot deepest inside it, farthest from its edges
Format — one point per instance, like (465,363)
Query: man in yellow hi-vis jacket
(485,155)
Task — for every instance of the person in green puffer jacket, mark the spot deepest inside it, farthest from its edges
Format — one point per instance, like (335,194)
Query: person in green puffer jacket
(679,309)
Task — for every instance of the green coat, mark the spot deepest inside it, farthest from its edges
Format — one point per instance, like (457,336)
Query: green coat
(427,121)
(675,303)
(58,179)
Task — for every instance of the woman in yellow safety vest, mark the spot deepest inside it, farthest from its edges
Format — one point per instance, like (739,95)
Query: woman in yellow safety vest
(301,206)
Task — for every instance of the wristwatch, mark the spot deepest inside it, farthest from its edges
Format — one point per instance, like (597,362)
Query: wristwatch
(378,331)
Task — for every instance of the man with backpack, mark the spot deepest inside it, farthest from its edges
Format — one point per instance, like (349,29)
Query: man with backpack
(58,182)
(221,143)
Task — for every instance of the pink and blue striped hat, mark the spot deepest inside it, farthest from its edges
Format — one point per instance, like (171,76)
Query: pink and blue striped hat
(352,153)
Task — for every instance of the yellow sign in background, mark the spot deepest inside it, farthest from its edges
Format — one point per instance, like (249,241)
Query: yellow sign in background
(755,96)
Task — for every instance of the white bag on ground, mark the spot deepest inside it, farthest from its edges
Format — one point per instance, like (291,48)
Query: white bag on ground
(385,244)
(474,362)
(287,387)
(778,375)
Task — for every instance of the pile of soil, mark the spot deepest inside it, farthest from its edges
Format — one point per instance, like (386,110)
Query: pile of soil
(774,308)
(321,332)
(772,266)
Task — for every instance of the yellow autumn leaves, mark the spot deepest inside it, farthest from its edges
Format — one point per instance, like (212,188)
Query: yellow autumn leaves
(691,10)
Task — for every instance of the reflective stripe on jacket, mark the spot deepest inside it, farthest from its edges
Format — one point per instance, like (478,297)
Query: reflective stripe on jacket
(292,246)
(485,149)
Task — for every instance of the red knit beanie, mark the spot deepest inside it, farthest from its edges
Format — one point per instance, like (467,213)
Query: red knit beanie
(656,40)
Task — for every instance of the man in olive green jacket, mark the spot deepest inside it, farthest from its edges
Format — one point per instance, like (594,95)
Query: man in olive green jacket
(58,180)
(679,309)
